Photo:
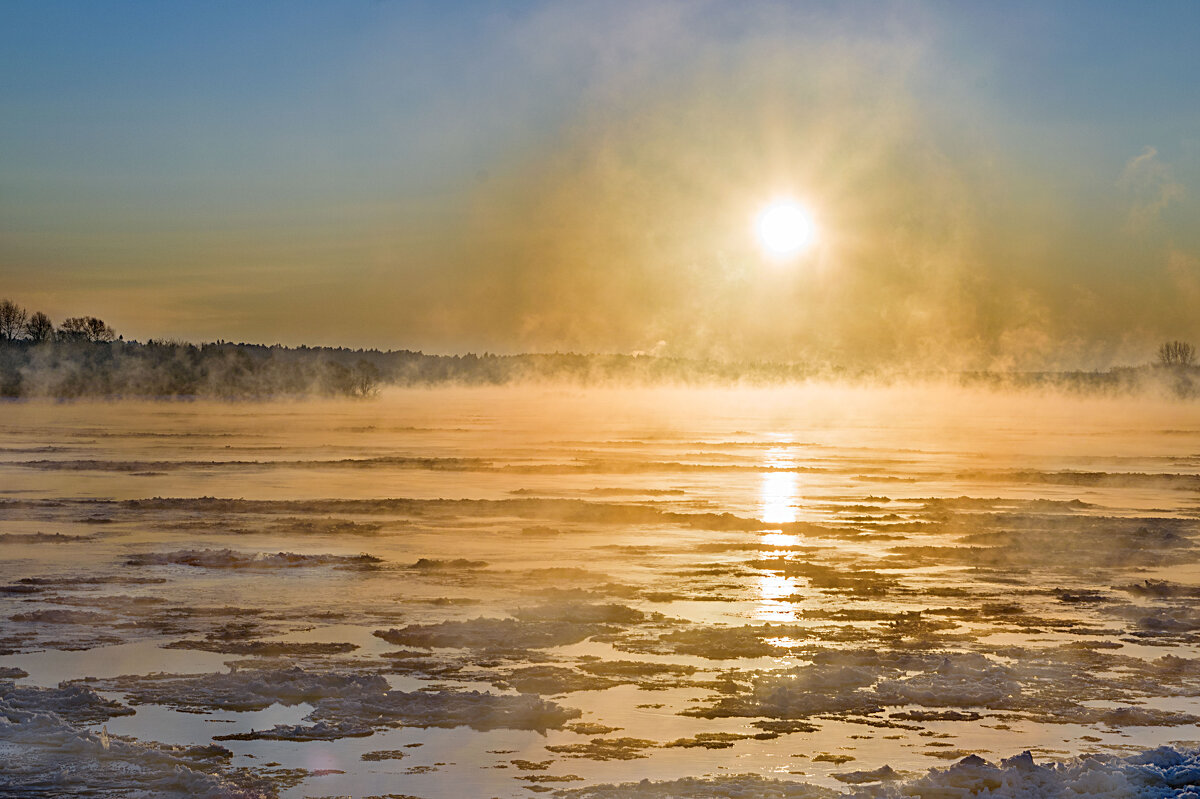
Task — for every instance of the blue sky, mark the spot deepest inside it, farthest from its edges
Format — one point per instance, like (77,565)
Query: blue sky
(998,183)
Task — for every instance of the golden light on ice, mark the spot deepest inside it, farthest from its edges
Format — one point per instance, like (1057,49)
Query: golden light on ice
(785,228)
(778,495)
(775,594)
(778,492)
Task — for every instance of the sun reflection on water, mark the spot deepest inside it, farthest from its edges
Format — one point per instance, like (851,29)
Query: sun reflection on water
(776,587)
(777,506)
(778,496)
(774,592)
(781,540)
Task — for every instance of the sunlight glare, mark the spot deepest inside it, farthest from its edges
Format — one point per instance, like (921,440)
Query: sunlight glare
(781,540)
(785,228)
(774,593)
(776,586)
(778,494)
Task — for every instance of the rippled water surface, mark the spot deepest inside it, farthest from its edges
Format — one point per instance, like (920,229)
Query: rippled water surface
(496,592)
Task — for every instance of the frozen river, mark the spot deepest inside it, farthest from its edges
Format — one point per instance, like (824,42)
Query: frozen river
(504,592)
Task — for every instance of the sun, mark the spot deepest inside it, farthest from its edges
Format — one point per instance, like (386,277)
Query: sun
(785,228)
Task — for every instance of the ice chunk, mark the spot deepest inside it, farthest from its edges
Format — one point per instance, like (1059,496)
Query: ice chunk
(733,786)
(245,689)
(44,755)
(321,731)
(959,681)
(553,680)
(265,649)
(344,704)
(230,559)
(605,749)
(881,774)
(55,616)
(582,613)
(74,703)
(1161,589)
(457,564)
(1156,774)
(492,633)
(800,692)
(715,740)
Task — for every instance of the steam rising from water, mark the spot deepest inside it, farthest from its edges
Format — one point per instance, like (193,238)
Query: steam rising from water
(598,201)
(552,582)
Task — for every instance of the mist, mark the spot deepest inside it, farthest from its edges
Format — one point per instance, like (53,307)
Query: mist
(665,398)
(71,367)
(897,586)
(585,179)
(629,230)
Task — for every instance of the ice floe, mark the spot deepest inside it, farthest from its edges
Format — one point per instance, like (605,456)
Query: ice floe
(74,703)
(45,753)
(1154,774)
(535,628)
(345,704)
(230,559)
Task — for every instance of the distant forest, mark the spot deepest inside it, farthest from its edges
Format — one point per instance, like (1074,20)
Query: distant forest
(84,357)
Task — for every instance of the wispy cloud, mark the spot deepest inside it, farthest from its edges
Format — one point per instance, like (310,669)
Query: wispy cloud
(1151,186)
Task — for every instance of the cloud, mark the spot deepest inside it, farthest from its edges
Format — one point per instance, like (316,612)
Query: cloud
(1150,186)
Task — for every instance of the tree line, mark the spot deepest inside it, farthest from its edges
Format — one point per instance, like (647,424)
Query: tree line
(84,357)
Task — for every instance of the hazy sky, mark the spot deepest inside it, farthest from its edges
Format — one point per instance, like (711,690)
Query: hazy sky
(994,183)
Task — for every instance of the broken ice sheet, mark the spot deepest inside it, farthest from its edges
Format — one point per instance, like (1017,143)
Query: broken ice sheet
(1018,596)
(45,750)
(345,704)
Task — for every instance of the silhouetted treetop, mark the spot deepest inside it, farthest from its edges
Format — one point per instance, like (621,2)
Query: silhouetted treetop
(12,320)
(88,328)
(39,328)
(1176,353)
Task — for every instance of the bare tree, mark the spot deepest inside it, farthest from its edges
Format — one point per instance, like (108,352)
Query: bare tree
(88,328)
(73,329)
(12,320)
(39,328)
(1176,353)
(366,377)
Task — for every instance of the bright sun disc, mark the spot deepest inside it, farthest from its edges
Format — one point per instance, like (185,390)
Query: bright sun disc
(785,228)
